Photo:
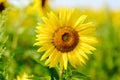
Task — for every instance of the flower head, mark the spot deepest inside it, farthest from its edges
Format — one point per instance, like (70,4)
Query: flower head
(39,6)
(2,5)
(25,76)
(115,15)
(65,38)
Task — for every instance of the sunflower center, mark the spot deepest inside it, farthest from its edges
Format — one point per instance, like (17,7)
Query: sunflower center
(43,3)
(65,39)
(2,7)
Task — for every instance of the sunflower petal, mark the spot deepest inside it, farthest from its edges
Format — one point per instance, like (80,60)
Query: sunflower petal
(85,26)
(71,59)
(55,60)
(41,49)
(80,20)
(61,64)
(80,58)
(65,60)
(87,46)
(47,53)
(87,39)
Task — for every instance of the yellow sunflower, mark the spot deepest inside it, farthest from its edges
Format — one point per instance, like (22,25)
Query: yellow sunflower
(25,76)
(115,15)
(65,38)
(2,5)
(39,6)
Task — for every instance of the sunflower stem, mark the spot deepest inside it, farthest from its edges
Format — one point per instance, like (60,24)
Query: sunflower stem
(64,75)
(61,74)
(15,40)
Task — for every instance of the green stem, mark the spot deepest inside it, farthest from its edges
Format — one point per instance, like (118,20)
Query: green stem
(61,74)
(15,40)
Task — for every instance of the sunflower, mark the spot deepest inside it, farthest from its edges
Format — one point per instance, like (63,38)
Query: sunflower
(25,76)
(41,7)
(96,16)
(2,5)
(115,15)
(65,38)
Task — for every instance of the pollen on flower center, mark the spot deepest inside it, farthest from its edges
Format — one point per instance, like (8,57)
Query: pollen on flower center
(2,7)
(65,39)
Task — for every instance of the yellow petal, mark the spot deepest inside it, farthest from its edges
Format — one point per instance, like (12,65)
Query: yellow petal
(54,18)
(69,17)
(63,16)
(61,64)
(87,32)
(85,26)
(87,39)
(55,60)
(42,42)
(47,53)
(80,58)
(87,46)
(51,57)
(65,60)
(45,20)
(82,53)
(80,20)
(71,59)
(41,49)
(85,50)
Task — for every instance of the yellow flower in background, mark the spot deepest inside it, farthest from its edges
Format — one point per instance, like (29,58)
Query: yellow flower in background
(41,7)
(115,15)
(25,76)
(3,5)
(65,38)
(97,16)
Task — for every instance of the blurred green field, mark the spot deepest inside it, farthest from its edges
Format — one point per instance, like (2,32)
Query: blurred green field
(18,55)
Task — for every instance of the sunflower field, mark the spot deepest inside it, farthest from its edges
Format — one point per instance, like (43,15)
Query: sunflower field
(39,42)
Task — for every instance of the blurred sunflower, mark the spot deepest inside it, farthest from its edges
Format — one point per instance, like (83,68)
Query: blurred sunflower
(97,16)
(25,76)
(2,5)
(65,37)
(39,6)
(115,15)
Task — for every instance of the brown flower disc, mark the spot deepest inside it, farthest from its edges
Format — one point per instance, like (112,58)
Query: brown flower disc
(65,39)
(2,7)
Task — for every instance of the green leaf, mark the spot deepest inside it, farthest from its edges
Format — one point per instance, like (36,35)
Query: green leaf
(54,74)
(40,78)
(1,77)
(77,76)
